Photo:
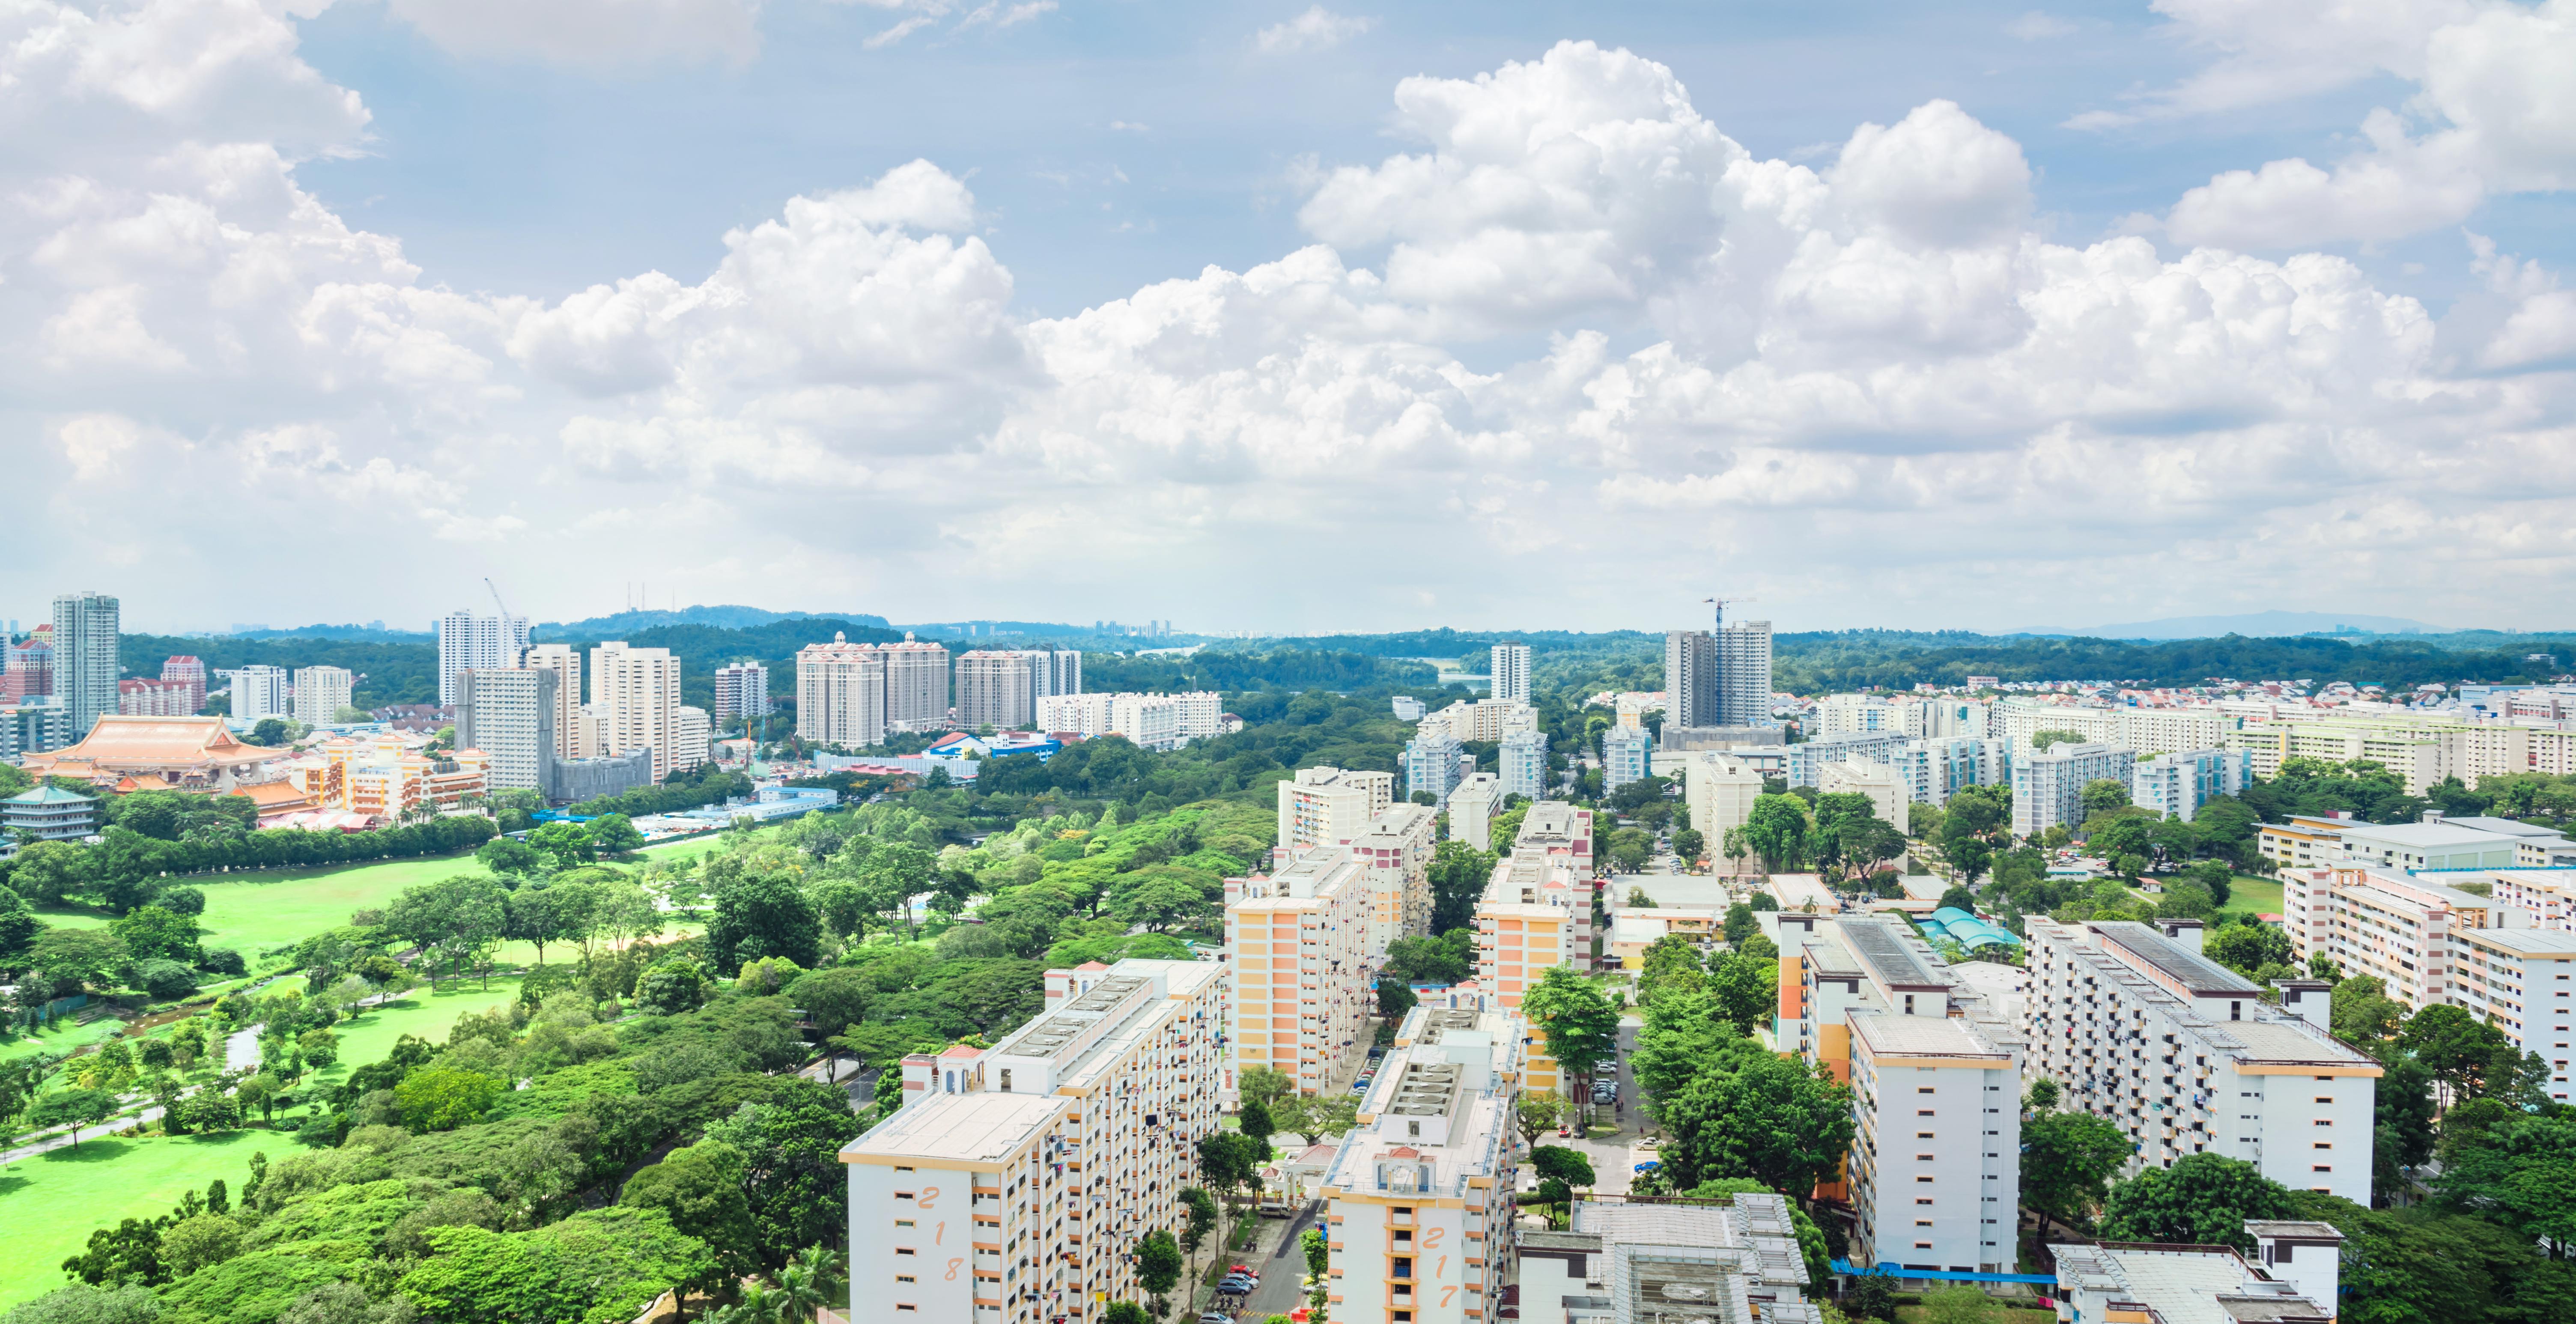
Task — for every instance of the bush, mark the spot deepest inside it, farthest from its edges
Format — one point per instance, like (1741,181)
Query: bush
(223,961)
(678,1065)
(673,985)
(181,900)
(443,1098)
(83,1304)
(165,980)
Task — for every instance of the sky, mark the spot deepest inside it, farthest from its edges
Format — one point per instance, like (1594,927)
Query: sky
(1290,318)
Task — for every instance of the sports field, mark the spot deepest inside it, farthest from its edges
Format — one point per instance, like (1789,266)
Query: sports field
(51,1202)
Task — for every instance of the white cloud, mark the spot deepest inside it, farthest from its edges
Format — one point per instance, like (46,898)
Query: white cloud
(1318,29)
(2495,112)
(591,32)
(2037,25)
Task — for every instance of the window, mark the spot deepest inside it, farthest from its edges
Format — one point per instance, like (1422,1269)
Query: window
(1922,1135)
(1923,1179)
(903,1250)
(903,1278)
(903,1222)
(1923,1202)
(2325,1121)
(1006,1080)
(2321,1168)
(1923,1089)
(903,1195)
(1922,1158)
(2325,1144)
(1403,1266)
(2324,1098)
(1923,1112)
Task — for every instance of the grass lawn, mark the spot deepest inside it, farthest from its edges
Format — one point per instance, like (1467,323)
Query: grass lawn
(59,1036)
(371,1036)
(50,1203)
(2262,896)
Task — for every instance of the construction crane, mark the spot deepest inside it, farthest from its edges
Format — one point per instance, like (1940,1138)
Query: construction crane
(1720,605)
(496,597)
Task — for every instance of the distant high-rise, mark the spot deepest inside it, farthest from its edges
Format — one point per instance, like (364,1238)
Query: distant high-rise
(262,691)
(1512,672)
(320,694)
(565,662)
(85,669)
(1743,651)
(742,690)
(635,695)
(995,689)
(1523,763)
(916,685)
(484,643)
(1690,678)
(191,672)
(30,673)
(510,716)
(840,694)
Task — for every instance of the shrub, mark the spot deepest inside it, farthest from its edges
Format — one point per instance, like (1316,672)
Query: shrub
(223,961)
(671,986)
(81,1303)
(165,980)
(181,901)
(443,1098)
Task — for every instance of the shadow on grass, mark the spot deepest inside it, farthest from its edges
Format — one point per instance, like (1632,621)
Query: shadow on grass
(11,1183)
(98,1149)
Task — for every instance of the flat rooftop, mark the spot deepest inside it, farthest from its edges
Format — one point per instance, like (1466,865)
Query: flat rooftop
(2521,942)
(2195,972)
(962,1128)
(2288,1041)
(1878,947)
(1924,1036)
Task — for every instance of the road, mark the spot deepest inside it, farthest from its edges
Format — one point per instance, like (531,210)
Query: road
(1277,1293)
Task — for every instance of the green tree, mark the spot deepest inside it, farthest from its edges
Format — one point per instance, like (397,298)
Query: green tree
(1119,1312)
(1776,830)
(761,914)
(128,1253)
(194,1243)
(1158,1266)
(510,857)
(1770,1119)
(151,932)
(2041,740)
(453,920)
(893,874)
(2103,795)
(444,1098)
(2521,1173)
(1537,1114)
(1230,1162)
(1689,844)
(565,843)
(614,834)
(1960,1303)
(672,985)
(1198,1218)
(700,1188)
(1747,988)
(599,1264)
(2068,1161)
(73,1108)
(2247,948)
(1581,1026)
(2202,1199)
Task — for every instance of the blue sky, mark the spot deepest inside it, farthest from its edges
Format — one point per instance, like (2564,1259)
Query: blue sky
(1293,317)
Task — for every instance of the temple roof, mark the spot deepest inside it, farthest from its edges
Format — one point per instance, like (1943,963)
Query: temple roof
(143,744)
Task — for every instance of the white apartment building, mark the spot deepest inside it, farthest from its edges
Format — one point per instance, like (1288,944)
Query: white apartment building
(1012,1185)
(995,689)
(1940,719)
(1889,797)
(510,716)
(840,693)
(1807,759)
(1472,807)
(1523,761)
(1627,755)
(2384,922)
(1300,941)
(1845,714)
(85,667)
(1407,708)
(1934,1173)
(635,698)
(1418,1200)
(1148,721)
(2301,1270)
(1743,653)
(1636,1261)
(2015,720)
(2171,730)
(1431,760)
(2546,897)
(692,735)
(565,661)
(2177,785)
(1394,851)
(481,643)
(916,685)
(742,690)
(1484,719)
(264,691)
(2522,981)
(1511,668)
(1327,806)
(1718,792)
(1934,768)
(2419,759)
(2048,789)
(2185,1056)
(320,694)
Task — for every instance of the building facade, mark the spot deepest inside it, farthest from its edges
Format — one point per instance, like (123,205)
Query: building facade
(2177,785)
(470,642)
(260,692)
(916,685)
(1299,942)
(635,699)
(1627,755)
(510,716)
(840,694)
(1806,760)
(2184,1055)
(1888,795)
(742,690)
(85,669)
(191,672)
(1511,668)
(1431,762)
(1012,1184)
(1743,652)
(1472,807)
(320,694)
(1523,763)
(152,698)
(2048,788)
(1325,806)
(996,689)
(565,662)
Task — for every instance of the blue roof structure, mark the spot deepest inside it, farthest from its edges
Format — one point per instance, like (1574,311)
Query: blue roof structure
(1965,929)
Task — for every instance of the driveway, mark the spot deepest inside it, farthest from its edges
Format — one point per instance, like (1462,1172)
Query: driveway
(1277,1293)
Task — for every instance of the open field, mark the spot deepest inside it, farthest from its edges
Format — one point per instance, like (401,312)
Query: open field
(371,1036)
(59,1036)
(51,1202)
(2261,896)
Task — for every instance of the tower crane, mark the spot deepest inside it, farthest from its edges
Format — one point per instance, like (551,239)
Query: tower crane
(1720,605)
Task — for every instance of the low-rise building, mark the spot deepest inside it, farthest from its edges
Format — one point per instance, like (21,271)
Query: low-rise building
(2186,1057)
(185,753)
(49,813)
(1633,929)
(2296,1282)
(1013,1183)
(1672,1262)
(1418,1202)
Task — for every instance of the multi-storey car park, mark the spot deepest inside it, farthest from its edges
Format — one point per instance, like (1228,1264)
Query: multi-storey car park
(1419,1216)
(2185,1056)
(1012,1184)
(1669,1263)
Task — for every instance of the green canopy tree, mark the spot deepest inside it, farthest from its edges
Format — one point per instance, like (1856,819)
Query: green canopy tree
(1770,1119)
(2202,1199)
(2068,1161)
(1581,1026)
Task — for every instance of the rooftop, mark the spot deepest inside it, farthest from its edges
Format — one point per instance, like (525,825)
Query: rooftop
(2424,835)
(2196,973)
(1885,955)
(967,1128)
(1922,1036)
(2288,1041)
(2522,942)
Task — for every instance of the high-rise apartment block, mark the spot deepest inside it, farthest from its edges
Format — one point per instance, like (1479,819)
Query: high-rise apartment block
(1934,1173)
(2048,789)
(511,717)
(1472,807)
(1299,941)
(742,690)
(188,671)
(85,669)
(635,698)
(2184,1055)
(1690,679)
(1431,762)
(1536,912)
(482,643)
(1511,668)
(1148,721)
(569,739)
(916,685)
(1806,760)
(1627,755)
(151,698)
(1887,792)
(1718,792)
(995,689)
(1394,853)
(1523,763)
(1013,1183)
(1330,806)
(1484,719)
(1934,768)
(692,737)
(2177,785)
(320,694)
(1743,652)
(1419,1197)
(261,691)
(840,693)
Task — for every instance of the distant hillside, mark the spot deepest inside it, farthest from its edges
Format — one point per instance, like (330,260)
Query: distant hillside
(2255,625)
(722,617)
(370,634)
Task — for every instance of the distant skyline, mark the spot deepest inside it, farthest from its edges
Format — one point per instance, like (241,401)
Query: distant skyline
(1291,317)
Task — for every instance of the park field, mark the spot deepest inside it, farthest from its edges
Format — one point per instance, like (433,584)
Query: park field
(2261,896)
(51,1202)
(421,1012)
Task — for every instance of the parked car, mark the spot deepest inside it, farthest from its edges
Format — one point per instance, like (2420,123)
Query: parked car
(1605,1091)
(1216,1317)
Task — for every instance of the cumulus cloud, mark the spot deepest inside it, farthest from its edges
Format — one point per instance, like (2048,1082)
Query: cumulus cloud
(1874,356)
(1318,29)
(2494,113)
